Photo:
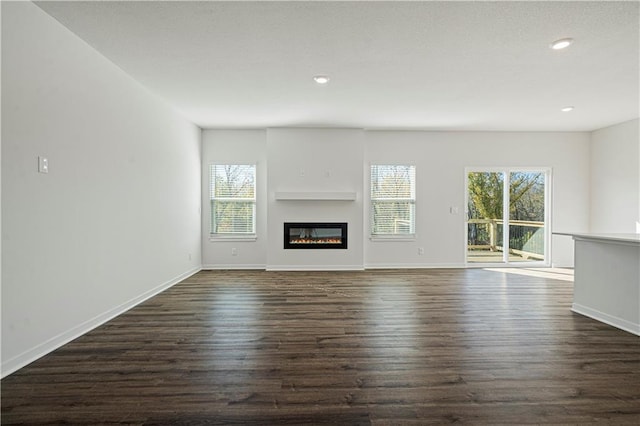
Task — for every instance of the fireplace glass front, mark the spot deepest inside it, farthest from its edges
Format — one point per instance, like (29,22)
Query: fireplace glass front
(321,235)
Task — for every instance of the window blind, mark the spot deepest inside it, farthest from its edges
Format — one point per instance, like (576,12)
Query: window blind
(393,200)
(233,199)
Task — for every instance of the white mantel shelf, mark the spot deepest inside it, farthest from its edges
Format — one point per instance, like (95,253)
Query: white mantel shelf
(315,196)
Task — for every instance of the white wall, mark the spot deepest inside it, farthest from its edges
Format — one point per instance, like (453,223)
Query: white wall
(235,147)
(441,158)
(615,178)
(116,219)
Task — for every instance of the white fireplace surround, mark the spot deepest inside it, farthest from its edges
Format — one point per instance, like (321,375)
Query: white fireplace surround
(316,175)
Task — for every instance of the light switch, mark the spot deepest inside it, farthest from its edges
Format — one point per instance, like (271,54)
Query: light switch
(43,165)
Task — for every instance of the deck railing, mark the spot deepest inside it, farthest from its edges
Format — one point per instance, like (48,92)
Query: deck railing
(526,238)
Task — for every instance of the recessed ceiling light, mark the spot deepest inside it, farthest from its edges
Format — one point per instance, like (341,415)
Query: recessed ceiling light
(561,44)
(567,109)
(321,79)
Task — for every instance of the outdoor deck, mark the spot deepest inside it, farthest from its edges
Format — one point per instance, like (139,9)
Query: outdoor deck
(487,256)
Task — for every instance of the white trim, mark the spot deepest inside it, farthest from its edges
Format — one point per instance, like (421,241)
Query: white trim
(506,215)
(315,268)
(393,238)
(595,314)
(215,267)
(548,215)
(415,266)
(31,355)
(521,264)
(228,237)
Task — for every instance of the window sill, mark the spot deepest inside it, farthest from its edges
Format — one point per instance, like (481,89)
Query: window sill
(393,238)
(222,238)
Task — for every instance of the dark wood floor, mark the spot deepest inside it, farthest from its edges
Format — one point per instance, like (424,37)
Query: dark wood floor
(375,347)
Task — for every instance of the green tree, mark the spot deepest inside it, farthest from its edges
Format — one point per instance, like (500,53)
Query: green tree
(526,195)
(526,191)
(485,195)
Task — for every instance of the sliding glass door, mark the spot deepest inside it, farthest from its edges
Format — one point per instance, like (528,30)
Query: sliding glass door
(507,216)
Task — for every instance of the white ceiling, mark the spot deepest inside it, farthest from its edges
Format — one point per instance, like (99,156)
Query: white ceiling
(393,65)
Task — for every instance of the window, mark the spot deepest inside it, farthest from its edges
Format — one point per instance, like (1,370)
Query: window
(233,199)
(393,200)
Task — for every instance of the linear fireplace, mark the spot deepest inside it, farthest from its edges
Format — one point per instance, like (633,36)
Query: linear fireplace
(307,235)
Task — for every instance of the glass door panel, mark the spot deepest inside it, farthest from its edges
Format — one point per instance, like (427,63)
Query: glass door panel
(485,213)
(526,216)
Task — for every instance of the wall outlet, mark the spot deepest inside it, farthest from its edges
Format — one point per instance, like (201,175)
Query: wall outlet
(189,256)
(234,251)
(453,210)
(43,165)
(420,250)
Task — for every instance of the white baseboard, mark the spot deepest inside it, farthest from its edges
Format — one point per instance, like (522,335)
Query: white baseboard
(620,323)
(415,266)
(212,267)
(315,268)
(27,357)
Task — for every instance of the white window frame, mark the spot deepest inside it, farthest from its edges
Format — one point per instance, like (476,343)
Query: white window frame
(222,236)
(372,202)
